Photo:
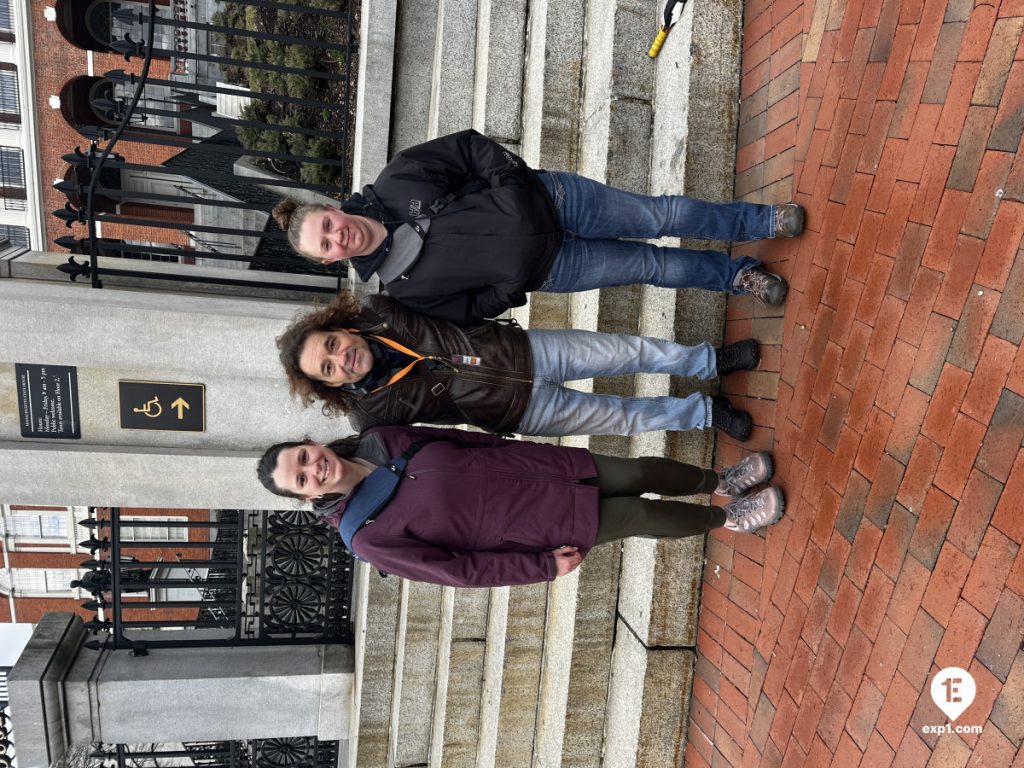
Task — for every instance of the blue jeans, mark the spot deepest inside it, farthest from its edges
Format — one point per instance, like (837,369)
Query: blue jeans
(594,215)
(560,356)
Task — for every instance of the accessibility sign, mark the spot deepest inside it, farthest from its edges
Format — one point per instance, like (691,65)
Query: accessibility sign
(162,405)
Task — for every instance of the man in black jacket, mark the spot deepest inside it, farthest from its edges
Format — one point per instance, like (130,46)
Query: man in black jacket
(461,228)
(380,363)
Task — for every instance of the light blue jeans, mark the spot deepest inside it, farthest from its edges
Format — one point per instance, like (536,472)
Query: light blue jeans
(595,215)
(560,356)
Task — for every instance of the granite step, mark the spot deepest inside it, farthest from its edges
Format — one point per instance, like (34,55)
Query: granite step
(454,68)
(498,82)
(415,51)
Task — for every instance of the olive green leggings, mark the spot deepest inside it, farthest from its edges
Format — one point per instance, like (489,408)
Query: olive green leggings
(624,512)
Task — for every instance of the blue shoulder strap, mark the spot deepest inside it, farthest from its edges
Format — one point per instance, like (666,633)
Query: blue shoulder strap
(374,493)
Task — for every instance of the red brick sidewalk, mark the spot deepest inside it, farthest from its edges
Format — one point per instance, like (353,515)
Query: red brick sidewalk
(894,401)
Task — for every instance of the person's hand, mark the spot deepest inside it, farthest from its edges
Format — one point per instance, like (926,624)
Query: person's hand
(567,560)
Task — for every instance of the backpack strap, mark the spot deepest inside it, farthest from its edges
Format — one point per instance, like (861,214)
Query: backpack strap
(407,240)
(374,493)
(406,244)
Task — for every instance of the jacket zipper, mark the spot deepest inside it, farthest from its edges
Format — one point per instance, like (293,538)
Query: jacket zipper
(497,377)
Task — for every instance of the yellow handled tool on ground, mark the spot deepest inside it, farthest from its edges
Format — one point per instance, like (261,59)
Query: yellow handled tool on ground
(673,10)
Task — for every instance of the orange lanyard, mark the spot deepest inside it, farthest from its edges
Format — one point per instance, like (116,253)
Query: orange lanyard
(416,357)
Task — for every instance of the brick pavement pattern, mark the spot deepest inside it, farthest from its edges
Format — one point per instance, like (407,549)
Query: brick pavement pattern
(891,392)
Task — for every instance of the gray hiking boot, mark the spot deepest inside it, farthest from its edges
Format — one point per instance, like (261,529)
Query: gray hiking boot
(789,220)
(755,510)
(766,287)
(754,469)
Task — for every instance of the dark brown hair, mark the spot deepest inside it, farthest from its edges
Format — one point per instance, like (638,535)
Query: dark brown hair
(339,315)
(343,449)
(289,215)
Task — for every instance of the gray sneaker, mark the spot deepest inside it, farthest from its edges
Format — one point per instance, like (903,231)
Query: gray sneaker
(756,468)
(755,510)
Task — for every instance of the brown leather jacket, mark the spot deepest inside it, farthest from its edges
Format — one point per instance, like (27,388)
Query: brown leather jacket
(491,395)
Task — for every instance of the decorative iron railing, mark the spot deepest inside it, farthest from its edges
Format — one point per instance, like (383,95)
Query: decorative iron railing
(241,577)
(292,63)
(7,756)
(291,752)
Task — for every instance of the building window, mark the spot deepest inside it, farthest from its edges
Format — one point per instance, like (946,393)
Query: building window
(12,178)
(7,21)
(10,105)
(144,254)
(43,581)
(15,234)
(23,524)
(153,533)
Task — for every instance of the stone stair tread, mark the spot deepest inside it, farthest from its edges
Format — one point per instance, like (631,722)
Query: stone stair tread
(415,42)
(451,98)
(461,735)
(498,83)
(582,732)
(524,646)
(423,616)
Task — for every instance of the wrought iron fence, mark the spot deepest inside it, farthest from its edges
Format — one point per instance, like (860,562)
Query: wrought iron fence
(7,755)
(292,752)
(292,65)
(242,577)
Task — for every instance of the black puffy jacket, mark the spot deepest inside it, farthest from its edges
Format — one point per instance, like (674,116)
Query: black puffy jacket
(486,249)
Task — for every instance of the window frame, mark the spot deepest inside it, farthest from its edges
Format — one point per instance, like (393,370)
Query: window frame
(10,90)
(32,590)
(20,536)
(14,191)
(7,31)
(125,525)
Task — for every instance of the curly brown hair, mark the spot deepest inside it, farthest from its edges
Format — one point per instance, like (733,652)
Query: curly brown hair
(289,215)
(339,315)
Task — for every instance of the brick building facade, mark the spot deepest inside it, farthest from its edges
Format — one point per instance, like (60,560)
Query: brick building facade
(64,63)
(44,548)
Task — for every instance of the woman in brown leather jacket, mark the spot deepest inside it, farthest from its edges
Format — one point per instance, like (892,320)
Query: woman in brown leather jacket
(380,363)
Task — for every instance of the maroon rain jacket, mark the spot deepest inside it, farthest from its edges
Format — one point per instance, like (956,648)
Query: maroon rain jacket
(484,515)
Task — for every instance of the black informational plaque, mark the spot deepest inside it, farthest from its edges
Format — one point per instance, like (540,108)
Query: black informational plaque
(162,406)
(48,401)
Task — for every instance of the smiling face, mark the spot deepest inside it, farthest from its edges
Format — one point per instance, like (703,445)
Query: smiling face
(329,235)
(335,357)
(311,470)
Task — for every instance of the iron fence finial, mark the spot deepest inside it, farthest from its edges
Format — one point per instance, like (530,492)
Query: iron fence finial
(69,214)
(75,270)
(129,48)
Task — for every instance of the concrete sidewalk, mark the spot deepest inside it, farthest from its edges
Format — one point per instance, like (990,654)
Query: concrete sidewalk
(891,392)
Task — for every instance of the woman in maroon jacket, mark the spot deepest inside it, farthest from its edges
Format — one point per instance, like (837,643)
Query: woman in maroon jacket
(477,510)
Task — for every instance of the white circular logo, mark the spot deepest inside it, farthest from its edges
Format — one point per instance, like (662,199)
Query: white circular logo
(953,691)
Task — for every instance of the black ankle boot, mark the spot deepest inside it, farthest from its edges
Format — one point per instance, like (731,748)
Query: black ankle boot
(734,422)
(739,356)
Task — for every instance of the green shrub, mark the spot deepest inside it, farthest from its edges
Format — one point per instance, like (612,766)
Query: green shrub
(296,85)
